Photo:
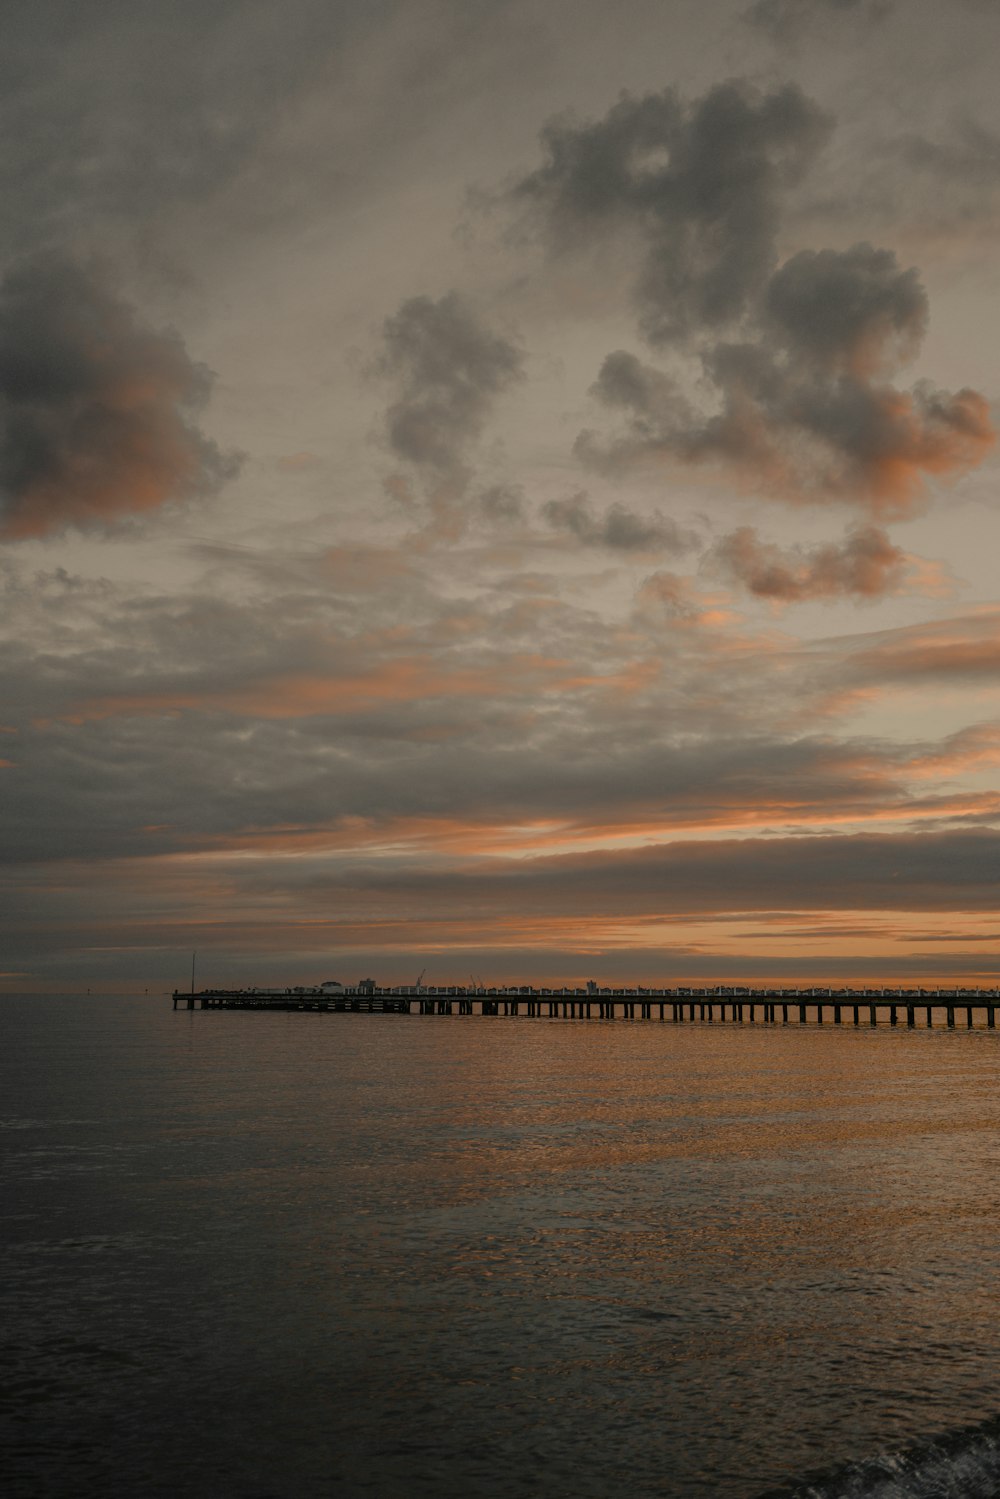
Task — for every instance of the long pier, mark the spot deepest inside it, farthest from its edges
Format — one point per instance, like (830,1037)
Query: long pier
(719,1005)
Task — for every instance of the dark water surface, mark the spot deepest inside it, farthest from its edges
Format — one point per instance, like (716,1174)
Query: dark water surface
(289,1255)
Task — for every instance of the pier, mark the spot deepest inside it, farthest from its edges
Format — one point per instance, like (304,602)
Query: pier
(714,1006)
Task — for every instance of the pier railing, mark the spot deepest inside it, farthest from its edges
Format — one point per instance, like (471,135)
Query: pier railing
(723,1004)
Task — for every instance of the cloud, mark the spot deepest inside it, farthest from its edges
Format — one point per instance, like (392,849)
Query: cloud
(804,409)
(785,20)
(117,118)
(668,596)
(970,155)
(502,504)
(934,187)
(449,369)
(939,185)
(275,753)
(949,652)
(700,185)
(865,565)
(97,411)
(976,747)
(595,892)
(947,657)
(289,717)
(788,384)
(619,528)
(852,312)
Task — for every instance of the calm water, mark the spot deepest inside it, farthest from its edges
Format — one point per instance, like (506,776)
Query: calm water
(334,1255)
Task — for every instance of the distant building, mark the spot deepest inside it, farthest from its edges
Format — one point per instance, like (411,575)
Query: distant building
(332,986)
(366,986)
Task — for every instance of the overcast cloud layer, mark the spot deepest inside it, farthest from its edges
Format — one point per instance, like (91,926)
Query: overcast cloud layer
(499,488)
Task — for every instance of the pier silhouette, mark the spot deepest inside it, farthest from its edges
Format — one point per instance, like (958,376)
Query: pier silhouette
(721,1004)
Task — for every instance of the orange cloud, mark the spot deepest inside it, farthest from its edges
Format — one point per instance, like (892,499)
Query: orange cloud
(865,565)
(968,648)
(929,434)
(974,748)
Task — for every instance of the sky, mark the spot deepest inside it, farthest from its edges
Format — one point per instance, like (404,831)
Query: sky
(499,488)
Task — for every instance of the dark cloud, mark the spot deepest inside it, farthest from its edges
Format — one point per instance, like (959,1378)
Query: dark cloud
(867,872)
(449,367)
(700,184)
(804,407)
(97,411)
(865,565)
(618,528)
(173,775)
(953,937)
(797,358)
(502,504)
(846,311)
(660,420)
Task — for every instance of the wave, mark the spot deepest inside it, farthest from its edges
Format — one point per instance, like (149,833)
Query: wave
(963,1464)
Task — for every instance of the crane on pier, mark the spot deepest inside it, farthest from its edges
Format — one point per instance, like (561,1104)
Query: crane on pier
(420,979)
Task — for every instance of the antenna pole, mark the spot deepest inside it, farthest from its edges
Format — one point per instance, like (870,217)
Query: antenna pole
(193,956)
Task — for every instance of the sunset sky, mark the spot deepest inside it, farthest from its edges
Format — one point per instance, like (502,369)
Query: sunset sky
(499,487)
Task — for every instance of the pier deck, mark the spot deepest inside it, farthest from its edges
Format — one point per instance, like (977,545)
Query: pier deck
(721,1005)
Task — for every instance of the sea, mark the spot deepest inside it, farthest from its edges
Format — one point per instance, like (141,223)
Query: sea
(327,1256)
